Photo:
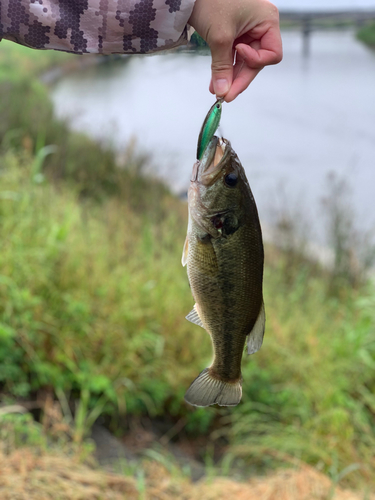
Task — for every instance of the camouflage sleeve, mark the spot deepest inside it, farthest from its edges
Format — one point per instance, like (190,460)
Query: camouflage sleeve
(99,26)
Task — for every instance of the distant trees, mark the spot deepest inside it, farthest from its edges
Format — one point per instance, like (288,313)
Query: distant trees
(197,40)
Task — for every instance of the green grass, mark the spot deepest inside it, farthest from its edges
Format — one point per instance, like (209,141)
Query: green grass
(308,394)
(21,60)
(90,294)
(93,299)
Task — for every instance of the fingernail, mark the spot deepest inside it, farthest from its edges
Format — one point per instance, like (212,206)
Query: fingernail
(221,86)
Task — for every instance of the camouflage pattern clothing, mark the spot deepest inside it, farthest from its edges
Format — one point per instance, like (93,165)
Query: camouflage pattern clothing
(99,26)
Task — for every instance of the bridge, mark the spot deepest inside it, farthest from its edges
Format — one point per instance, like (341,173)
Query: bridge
(311,19)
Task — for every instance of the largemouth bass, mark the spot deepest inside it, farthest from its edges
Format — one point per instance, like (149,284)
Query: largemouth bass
(224,256)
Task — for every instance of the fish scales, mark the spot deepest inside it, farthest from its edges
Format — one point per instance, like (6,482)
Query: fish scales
(224,256)
(226,295)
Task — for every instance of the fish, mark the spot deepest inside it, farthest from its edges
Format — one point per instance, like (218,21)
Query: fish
(209,127)
(224,255)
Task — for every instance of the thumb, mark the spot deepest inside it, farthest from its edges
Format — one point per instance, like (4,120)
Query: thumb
(222,67)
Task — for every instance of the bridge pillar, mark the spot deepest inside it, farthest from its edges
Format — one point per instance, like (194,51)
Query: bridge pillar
(306,35)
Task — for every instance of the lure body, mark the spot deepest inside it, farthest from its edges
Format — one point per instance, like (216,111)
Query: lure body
(209,127)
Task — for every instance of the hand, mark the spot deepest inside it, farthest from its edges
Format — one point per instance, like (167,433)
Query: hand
(250,27)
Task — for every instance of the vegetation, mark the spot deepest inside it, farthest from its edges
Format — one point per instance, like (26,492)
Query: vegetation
(19,61)
(367,34)
(197,40)
(30,474)
(93,299)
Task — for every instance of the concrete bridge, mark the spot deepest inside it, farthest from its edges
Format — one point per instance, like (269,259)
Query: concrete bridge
(311,20)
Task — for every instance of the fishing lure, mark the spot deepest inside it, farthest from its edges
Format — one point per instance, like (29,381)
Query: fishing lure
(209,127)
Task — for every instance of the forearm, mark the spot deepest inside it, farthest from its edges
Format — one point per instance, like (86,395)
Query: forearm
(97,26)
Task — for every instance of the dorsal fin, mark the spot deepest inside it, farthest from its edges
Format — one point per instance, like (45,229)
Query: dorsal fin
(193,317)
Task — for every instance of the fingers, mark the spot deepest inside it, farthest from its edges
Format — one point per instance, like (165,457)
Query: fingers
(243,76)
(222,66)
(251,59)
(250,26)
(269,52)
(242,80)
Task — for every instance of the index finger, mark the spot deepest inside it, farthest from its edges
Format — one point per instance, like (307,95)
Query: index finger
(242,79)
(270,49)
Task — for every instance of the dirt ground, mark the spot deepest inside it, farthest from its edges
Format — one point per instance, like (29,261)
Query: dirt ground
(25,475)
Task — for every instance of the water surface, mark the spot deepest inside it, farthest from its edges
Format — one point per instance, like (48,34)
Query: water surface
(298,121)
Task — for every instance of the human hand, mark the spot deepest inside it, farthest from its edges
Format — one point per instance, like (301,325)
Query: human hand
(250,27)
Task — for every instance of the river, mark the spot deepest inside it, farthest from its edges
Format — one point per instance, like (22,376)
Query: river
(299,120)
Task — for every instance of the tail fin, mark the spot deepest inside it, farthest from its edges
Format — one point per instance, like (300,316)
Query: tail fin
(207,390)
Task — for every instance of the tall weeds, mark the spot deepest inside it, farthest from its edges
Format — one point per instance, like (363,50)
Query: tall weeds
(90,295)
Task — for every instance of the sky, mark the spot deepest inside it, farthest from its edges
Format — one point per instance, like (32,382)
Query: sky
(322,5)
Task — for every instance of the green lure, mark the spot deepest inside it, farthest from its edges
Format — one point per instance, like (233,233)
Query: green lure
(209,127)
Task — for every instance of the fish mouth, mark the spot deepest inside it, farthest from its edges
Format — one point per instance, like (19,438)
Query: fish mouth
(213,160)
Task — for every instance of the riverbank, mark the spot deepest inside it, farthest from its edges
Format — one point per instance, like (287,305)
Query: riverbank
(92,305)
(367,35)
(56,476)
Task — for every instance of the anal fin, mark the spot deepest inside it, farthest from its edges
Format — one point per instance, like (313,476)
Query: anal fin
(194,317)
(255,337)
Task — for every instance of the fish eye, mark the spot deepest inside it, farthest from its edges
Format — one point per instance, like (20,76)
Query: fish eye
(217,222)
(231,179)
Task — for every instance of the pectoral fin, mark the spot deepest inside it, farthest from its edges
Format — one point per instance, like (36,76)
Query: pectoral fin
(255,337)
(185,252)
(193,316)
